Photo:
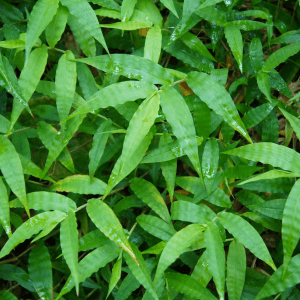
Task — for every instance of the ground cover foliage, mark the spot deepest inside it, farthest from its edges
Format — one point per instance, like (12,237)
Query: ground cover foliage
(149,149)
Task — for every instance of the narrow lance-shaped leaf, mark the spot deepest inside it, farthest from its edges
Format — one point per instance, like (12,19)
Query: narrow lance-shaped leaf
(99,141)
(201,271)
(263,82)
(31,227)
(12,44)
(69,245)
(147,192)
(139,126)
(4,209)
(269,153)
(153,44)
(65,84)
(115,275)
(215,257)
(246,235)
(11,168)
(236,270)
(6,295)
(86,16)
(176,246)
(218,99)
(107,222)
(256,54)
(178,115)
(170,5)
(235,41)
(127,9)
(41,15)
(189,7)
(295,122)
(40,272)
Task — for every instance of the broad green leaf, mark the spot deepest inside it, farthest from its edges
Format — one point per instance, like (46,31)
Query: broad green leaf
(217,197)
(201,271)
(176,246)
(87,18)
(4,209)
(153,44)
(115,275)
(156,249)
(29,79)
(151,10)
(218,99)
(295,122)
(12,44)
(196,44)
(40,272)
(4,124)
(280,56)
(210,162)
(167,152)
(32,226)
(93,239)
(202,119)
(271,208)
(168,168)
(127,287)
(190,212)
(246,235)
(6,295)
(107,222)
(127,9)
(156,227)
(83,36)
(11,168)
(107,3)
(189,7)
(130,66)
(179,117)
(69,245)
(236,270)
(46,201)
(114,95)
(9,81)
(235,41)
(264,84)
(215,257)
(128,25)
(276,285)
(188,286)
(248,25)
(81,184)
(147,192)
(110,13)
(138,128)
(99,142)
(65,84)
(41,15)
(269,153)
(128,202)
(86,81)
(139,270)
(57,26)
(170,5)
(256,54)
(241,171)
(91,263)
(290,227)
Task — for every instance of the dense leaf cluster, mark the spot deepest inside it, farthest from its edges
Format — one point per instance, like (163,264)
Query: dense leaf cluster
(149,149)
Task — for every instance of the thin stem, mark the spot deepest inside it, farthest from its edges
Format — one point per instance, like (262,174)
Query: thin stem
(178,82)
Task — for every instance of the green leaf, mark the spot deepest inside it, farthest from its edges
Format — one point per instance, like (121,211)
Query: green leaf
(247,25)
(280,56)
(167,152)
(218,99)
(40,272)
(269,153)
(246,235)
(256,54)
(179,117)
(201,271)
(46,201)
(196,44)
(115,275)
(151,10)
(57,26)
(91,263)
(11,168)
(31,227)
(128,25)
(241,171)
(190,212)
(295,122)
(99,142)
(12,44)
(264,84)
(235,41)
(81,184)
(93,239)
(189,7)
(69,245)
(127,287)
(138,128)
(41,15)
(6,295)
(215,257)
(153,44)
(139,270)
(147,192)
(105,219)
(87,18)
(189,286)
(127,9)
(128,202)
(130,66)
(176,246)
(86,81)
(209,3)
(170,5)
(4,210)
(236,270)
(271,208)
(156,227)
(65,84)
